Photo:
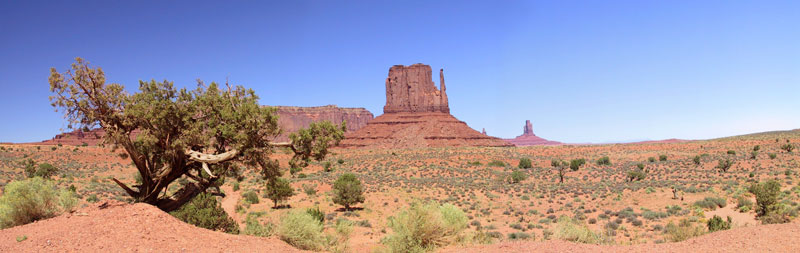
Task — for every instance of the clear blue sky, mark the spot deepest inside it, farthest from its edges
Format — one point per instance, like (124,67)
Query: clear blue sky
(581,71)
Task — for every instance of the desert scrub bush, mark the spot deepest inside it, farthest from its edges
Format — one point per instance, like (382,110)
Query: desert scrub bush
(347,191)
(253,227)
(767,208)
(33,199)
(571,230)
(696,160)
(716,224)
(279,190)
(497,163)
(45,171)
(683,231)
(604,161)
(731,152)
(711,203)
(518,176)
(636,175)
(772,155)
(651,159)
(525,163)
(206,212)
(316,213)
(251,197)
(662,158)
(235,185)
(576,164)
(519,236)
(788,147)
(743,204)
(425,226)
(724,165)
(301,230)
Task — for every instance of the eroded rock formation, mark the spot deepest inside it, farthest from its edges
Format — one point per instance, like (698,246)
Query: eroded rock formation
(416,115)
(290,119)
(528,138)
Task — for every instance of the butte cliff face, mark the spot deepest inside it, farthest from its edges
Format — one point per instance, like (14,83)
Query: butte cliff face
(290,119)
(416,114)
(528,138)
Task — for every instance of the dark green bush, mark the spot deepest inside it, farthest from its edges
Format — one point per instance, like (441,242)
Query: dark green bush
(724,165)
(636,175)
(696,159)
(711,203)
(604,161)
(279,190)
(766,196)
(518,176)
(206,212)
(525,163)
(788,147)
(316,213)
(576,164)
(347,190)
(662,158)
(251,197)
(731,152)
(716,224)
(496,163)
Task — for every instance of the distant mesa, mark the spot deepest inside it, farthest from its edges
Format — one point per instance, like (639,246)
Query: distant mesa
(528,138)
(290,119)
(417,114)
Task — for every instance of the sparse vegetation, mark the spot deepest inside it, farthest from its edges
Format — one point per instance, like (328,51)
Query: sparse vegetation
(425,226)
(301,230)
(525,163)
(518,176)
(31,200)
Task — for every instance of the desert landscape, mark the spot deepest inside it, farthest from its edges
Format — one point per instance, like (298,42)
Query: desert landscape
(324,127)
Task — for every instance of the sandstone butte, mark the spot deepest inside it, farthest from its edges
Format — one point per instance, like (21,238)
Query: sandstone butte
(416,115)
(290,119)
(528,138)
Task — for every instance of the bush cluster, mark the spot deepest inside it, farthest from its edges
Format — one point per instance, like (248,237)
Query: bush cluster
(206,212)
(33,199)
(425,226)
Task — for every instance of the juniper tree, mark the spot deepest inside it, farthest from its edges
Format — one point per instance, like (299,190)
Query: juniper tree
(170,133)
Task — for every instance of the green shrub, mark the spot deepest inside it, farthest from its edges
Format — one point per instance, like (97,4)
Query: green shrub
(756,147)
(32,199)
(316,213)
(743,204)
(301,230)
(662,158)
(310,190)
(206,212)
(651,159)
(576,164)
(772,155)
(716,224)
(253,227)
(496,163)
(525,163)
(636,175)
(518,236)
(279,190)
(766,196)
(570,230)
(685,230)
(753,155)
(604,161)
(788,147)
(696,159)
(251,197)
(340,161)
(235,186)
(29,167)
(423,227)
(724,165)
(348,190)
(327,166)
(731,152)
(518,176)
(711,203)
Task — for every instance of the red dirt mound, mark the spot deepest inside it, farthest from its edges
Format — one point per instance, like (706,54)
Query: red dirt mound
(117,227)
(766,238)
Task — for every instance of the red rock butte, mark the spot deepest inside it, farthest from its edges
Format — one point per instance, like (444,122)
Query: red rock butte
(417,115)
(528,138)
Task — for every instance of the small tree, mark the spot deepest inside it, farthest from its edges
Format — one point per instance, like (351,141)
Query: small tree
(278,190)
(347,191)
(561,166)
(696,160)
(766,196)
(525,163)
(518,176)
(724,165)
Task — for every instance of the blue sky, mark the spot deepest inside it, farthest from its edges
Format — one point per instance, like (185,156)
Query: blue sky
(581,71)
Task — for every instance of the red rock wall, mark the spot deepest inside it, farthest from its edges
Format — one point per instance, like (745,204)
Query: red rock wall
(411,89)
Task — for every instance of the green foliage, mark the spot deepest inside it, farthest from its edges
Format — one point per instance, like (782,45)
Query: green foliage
(640,166)
(651,159)
(310,190)
(253,227)
(772,155)
(766,197)
(787,147)
(604,161)
(316,213)
(716,224)
(757,148)
(314,142)
(347,190)
(696,160)
(636,175)
(301,230)
(731,152)
(206,212)
(576,164)
(662,158)
(571,230)
(561,166)
(251,197)
(425,226)
(46,171)
(279,190)
(518,176)
(496,163)
(724,165)
(711,203)
(22,238)
(340,161)
(525,163)
(685,230)
(32,199)
(743,204)
(228,122)
(753,155)
(235,186)
(29,166)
